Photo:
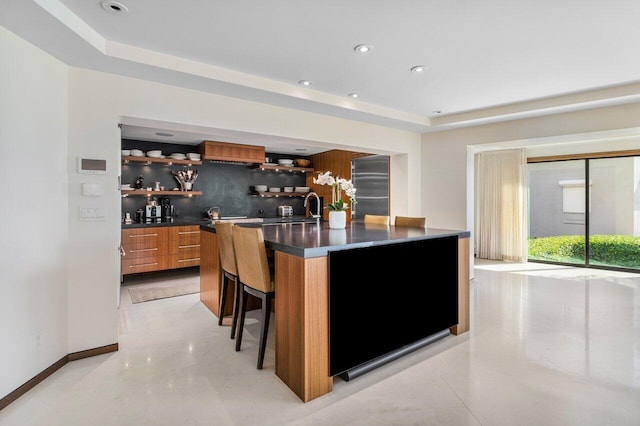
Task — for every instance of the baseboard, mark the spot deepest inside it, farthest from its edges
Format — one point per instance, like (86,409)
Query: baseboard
(93,352)
(12,396)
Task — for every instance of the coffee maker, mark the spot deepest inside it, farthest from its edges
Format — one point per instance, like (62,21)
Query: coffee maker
(168,211)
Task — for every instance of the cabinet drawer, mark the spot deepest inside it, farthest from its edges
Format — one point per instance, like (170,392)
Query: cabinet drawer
(185,252)
(183,238)
(143,264)
(145,238)
(178,261)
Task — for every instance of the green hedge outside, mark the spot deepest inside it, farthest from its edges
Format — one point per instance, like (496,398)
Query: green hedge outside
(613,250)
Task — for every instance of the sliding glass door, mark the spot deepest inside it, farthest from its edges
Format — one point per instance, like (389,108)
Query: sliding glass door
(585,212)
(557,215)
(614,227)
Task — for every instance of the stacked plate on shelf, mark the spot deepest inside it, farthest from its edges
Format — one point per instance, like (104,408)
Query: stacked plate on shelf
(156,153)
(137,153)
(193,156)
(301,189)
(178,156)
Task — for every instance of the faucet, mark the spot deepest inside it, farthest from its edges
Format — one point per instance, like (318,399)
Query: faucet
(317,215)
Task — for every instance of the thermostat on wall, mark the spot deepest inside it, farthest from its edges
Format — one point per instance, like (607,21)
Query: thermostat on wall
(92,166)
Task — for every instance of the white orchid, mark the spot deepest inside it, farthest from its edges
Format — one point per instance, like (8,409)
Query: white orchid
(338,185)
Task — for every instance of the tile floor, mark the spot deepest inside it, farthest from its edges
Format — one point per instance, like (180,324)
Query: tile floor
(548,345)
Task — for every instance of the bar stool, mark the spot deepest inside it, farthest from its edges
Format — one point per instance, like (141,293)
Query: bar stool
(256,278)
(229,271)
(414,222)
(376,219)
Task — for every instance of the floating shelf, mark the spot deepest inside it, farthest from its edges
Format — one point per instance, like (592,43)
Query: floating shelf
(145,193)
(167,161)
(279,194)
(279,168)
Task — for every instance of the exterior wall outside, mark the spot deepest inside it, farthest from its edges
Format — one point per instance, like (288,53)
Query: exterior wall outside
(33,248)
(612,198)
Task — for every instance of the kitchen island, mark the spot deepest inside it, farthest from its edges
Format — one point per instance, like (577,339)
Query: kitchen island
(310,258)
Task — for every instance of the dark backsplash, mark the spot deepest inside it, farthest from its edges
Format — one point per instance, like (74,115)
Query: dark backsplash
(226,186)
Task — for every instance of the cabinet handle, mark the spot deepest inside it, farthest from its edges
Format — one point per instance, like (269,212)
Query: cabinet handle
(189,246)
(188,232)
(138,250)
(188,260)
(143,264)
(143,235)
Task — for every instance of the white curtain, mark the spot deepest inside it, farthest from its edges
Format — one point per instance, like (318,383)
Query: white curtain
(501,210)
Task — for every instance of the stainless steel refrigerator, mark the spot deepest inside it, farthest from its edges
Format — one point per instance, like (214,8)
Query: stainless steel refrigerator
(370,176)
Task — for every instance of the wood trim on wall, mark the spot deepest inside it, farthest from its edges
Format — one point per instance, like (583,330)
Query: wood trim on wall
(31,383)
(609,154)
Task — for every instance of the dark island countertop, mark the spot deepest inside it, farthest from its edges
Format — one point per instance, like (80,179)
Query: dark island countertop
(315,239)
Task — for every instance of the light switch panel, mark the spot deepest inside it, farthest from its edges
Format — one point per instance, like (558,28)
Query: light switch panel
(92,190)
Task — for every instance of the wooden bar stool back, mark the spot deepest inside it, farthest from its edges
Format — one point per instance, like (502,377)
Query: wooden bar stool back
(229,271)
(376,219)
(414,222)
(256,279)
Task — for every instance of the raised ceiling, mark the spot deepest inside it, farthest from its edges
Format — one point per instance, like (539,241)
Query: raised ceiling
(485,61)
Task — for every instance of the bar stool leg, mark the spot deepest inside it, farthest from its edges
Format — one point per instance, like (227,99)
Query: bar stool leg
(243,311)
(264,329)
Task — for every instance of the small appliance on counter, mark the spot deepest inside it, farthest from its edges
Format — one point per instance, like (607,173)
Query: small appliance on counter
(285,211)
(150,213)
(168,210)
(214,213)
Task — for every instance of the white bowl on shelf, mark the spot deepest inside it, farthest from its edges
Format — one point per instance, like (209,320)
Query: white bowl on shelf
(156,153)
(302,189)
(194,156)
(260,188)
(125,152)
(274,189)
(137,153)
(285,162)
(178,156)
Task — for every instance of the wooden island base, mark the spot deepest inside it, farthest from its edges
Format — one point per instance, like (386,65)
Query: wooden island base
(302,300)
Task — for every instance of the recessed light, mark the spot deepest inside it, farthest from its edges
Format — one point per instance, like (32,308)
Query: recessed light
(114,7)
(437,111)
(353,95)
(300,149)
(304,83)
(164,134)
(418,69)
(363,48)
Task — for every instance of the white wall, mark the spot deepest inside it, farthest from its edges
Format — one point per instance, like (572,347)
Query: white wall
(33,247)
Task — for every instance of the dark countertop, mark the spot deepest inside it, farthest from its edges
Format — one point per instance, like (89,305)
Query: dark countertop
(310,239)
(202,221)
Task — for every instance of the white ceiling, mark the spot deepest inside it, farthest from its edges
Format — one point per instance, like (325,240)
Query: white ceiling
(487,61)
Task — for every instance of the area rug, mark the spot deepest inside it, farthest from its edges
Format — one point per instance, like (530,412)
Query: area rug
(147,293)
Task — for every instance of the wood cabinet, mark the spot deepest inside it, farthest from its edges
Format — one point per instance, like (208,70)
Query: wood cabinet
(184,246)
(159,248)
(231,152)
